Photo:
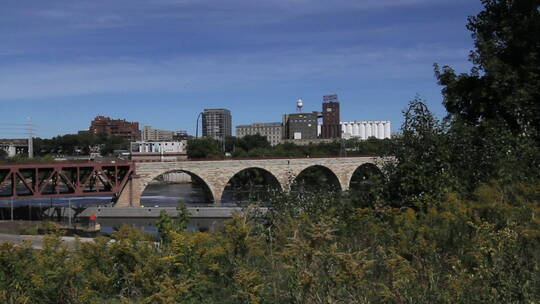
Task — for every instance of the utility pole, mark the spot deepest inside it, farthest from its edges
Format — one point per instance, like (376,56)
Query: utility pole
(69,212)
(12,210)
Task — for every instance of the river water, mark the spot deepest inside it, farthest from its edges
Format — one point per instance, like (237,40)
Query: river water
(161,195)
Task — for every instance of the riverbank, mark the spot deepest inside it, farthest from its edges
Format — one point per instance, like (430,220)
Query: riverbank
(154,212)
(36,241)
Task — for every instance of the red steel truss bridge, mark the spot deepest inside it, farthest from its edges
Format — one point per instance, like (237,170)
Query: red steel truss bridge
(34,180)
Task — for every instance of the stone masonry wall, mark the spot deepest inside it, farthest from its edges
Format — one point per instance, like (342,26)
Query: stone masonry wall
(216,174)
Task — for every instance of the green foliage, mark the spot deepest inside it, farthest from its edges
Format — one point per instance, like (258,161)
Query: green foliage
(204,148)
(23,158)
(79,144)
(258,146)
(421,172)
(504,84)
(493,110)
(307,249)
(182,219)
(167,225)
(249,145)
(164,225)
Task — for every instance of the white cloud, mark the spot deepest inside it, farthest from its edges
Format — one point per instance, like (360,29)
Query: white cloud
(195,73)
(101,14)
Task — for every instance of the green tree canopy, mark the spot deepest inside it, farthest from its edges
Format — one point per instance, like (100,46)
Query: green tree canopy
(204,148)
(504,83)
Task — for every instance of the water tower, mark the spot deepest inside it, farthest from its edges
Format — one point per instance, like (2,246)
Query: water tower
(299,105)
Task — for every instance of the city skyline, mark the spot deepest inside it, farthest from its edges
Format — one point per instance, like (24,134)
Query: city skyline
(161,63)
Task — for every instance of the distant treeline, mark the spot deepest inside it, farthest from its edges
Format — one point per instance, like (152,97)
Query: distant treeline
(79,144)
(84,143)
(258,146)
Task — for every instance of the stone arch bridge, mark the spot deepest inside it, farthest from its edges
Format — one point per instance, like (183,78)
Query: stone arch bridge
(217,173)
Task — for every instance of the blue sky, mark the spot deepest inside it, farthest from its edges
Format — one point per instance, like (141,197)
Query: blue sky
(160,62)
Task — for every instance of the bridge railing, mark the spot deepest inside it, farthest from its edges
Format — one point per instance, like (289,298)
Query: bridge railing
(259,158)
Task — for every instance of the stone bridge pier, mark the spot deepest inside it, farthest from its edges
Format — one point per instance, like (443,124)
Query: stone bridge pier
(217,174)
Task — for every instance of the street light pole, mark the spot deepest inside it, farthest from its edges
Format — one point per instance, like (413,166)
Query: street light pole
(197,127)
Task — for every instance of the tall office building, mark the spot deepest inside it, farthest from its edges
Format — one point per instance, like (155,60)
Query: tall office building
(116,127)
(216,123)
(271,130)
(331,127)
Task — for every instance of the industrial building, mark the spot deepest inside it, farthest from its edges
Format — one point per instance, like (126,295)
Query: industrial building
(216,123)
(365,129)
(116,127)
(300,126)
(271,130)
(331,127)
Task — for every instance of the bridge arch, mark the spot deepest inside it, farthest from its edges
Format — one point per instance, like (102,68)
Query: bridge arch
(316,177)
(250,182)
(364,175)
(206,188)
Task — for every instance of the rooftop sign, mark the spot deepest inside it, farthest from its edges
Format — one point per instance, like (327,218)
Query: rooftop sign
(330,98)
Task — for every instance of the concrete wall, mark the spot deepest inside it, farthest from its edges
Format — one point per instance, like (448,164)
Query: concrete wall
(217,174)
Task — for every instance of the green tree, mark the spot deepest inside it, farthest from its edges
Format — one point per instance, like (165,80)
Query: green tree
(109,144)
(504,83)
(204,148)
(164,224)
(494,112)
(420,174)
(182,219)
(250,142)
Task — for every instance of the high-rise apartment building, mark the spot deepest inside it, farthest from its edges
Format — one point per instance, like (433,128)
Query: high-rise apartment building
(216,123)
(115,127)
(271,130)
(331,127)
(300,126)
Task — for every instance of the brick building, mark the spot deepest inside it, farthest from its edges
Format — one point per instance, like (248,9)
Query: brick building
(331,127)
(116,127)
